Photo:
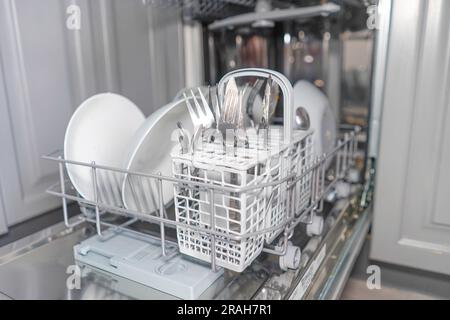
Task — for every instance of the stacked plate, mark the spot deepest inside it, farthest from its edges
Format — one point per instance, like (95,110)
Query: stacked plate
(111,131)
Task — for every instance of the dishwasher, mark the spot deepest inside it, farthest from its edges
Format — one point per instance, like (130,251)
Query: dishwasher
(256,224)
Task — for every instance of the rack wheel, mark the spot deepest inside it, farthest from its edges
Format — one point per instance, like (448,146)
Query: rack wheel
(291,259)
(315,227)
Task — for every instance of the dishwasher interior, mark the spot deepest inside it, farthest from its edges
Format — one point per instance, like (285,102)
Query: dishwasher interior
(319,213)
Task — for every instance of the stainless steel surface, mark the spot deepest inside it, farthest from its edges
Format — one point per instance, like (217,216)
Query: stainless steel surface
(39,263)
(241,116)
(201,115)
(302,121)
(35,267)
(254,92)
(345,257)
(228,109)
(268,108)
(380,63)
(198,132)
(331,258)
(333,54)
(213,99)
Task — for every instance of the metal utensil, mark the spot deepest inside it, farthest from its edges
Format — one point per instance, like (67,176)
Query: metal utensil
(240,118)
(231,107)
(266,102)
(266,112)
(213,101)
(230,101)
(274,97)
(200,115)
(196,136)
(261,114)
(208,115)
(271,96)
(183,138)
(302,121)
(254,91)
(228,110)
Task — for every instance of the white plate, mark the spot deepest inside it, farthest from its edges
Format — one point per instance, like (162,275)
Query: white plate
(100,130)
(149,152)
(323,120)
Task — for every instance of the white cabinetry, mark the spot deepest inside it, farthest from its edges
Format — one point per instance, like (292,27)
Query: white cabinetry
(412,211)
(48,69)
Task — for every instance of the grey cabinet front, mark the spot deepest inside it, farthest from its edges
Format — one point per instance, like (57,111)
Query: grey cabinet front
(412,212)
(48,68)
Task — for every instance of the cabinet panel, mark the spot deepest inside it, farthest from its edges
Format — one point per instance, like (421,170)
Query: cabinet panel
(47,70)
(411,219)
(3,227)
(441,209)
(7,152)
(36,86)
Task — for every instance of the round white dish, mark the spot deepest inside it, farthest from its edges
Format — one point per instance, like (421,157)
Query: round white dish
(322,117)
(150,152)
(100,130)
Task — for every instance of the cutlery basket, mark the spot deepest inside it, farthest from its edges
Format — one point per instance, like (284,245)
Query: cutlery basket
(249,201)
(249,205)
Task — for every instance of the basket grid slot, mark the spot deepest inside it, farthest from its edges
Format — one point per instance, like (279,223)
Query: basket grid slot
(235,213)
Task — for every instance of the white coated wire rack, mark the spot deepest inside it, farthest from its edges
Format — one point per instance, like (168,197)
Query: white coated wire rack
(106,197)
(224,216)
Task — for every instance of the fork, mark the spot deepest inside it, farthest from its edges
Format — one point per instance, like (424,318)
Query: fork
(200,115)
(214,95)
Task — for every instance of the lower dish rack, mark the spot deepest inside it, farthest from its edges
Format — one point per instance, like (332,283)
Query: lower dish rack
(301,193)
(232,199)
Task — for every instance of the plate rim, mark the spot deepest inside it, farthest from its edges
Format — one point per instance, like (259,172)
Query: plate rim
(75,114)
(157,116)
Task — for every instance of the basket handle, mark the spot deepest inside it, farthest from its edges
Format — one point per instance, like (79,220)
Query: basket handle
(283,83)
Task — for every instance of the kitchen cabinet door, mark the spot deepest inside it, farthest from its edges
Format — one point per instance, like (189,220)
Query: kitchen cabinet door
(411,212)
(4,138)
(37,103)
(48,69)
(3,226)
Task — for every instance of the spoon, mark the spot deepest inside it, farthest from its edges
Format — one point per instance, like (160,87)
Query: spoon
(302,121)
